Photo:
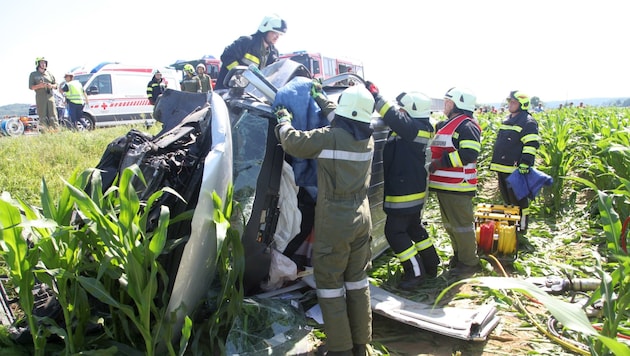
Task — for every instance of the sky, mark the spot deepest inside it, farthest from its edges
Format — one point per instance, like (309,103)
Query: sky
(555,50)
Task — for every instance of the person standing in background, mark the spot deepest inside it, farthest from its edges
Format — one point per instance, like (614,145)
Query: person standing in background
(515,148)
(191,82)
(44,83)
(206,81)
(75,98)
(156,87)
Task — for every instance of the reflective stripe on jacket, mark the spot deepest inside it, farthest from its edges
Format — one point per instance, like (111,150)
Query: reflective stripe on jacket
(517,142)
(459,177)
(75,92)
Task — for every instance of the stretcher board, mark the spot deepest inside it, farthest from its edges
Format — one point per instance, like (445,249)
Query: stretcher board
(460,323)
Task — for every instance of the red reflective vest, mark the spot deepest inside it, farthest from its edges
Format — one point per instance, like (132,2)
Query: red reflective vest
(453,179)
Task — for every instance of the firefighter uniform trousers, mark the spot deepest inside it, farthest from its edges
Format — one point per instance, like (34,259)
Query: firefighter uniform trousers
(341,252)
(457,215)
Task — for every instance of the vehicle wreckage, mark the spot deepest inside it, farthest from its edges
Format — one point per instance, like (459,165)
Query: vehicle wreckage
(209,141)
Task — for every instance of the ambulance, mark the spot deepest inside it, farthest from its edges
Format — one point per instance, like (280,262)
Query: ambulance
(117,93)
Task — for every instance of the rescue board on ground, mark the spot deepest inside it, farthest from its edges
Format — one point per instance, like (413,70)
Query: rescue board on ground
(460,323)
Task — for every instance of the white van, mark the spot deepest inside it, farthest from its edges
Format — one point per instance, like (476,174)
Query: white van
(117,93)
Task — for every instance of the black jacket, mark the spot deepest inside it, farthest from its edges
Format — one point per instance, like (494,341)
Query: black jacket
(155,88)
(517,142)
(246,50)
(404,158)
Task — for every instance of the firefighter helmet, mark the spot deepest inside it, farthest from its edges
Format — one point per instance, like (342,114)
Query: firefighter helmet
(464,99)
(201,65)
(39,59)
(189,68)
(416,104)
(156,71)
(521,97)
(273,23)
(356,103)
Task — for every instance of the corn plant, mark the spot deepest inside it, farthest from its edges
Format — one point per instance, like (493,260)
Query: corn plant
(21,259)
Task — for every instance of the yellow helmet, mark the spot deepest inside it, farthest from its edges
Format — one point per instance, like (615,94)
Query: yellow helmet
(521,97)
(416,104)
(39,59)
(189,68)
(356,103)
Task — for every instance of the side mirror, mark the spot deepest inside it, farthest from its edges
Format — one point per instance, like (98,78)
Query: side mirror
(235,79)
(93,90)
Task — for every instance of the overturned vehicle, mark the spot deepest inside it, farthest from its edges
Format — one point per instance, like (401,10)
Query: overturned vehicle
(210,143)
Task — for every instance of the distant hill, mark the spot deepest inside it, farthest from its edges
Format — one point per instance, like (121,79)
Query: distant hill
(588,102)
(14,110)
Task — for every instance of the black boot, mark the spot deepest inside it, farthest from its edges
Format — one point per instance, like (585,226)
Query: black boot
(429,255)
(415,273)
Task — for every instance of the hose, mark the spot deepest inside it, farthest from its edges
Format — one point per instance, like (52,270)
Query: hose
(558,339)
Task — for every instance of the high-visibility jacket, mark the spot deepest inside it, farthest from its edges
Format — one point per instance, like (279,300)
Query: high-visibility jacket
(517,142)
(74,94)
(404,158)
(456,174)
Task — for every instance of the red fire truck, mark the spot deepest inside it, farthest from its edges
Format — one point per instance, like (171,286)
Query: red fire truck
(324,67)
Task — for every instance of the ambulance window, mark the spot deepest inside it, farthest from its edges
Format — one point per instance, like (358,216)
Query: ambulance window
(103,83)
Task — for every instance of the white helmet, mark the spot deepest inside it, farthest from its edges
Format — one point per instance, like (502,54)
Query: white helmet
(356,103)
(416,104)
(273,23)
(464,99)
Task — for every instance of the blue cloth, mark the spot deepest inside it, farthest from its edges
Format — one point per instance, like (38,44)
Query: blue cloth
(528,185)
(296,97)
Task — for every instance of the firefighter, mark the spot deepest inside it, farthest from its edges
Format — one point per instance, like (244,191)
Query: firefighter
(405,183)
(43,83)
(341,250)
(453,176)
(204,78)
(191,82)
(156,87)
(515,149)
(258,49)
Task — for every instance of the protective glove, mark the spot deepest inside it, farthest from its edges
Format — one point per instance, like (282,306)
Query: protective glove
(434,165)
(283,115)
(523,168)
(316,88)
(373,89)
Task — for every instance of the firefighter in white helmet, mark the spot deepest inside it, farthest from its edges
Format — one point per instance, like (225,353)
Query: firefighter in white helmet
(405,183)
(453,176)
(341,250)
(43,83)
(258,49)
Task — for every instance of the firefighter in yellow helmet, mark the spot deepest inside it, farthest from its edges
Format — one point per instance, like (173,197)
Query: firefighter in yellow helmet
(515,148)
(405,183)
(191,82)
(44,83)
(453,177)
(341,250)
(258,49)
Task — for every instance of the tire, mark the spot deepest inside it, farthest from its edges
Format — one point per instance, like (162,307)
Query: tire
(87,122)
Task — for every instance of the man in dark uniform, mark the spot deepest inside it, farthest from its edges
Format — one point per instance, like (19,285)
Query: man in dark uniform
(258,49)
(515,148)
(405,178)
(453,176)
(341,250)
(191,82)
(156,87)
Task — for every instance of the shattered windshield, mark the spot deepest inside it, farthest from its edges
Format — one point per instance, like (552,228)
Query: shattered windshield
(249,138)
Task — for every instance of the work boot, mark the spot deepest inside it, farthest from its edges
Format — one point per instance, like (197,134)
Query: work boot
(410,280)
(461,270)
(428,254)
(359,350)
